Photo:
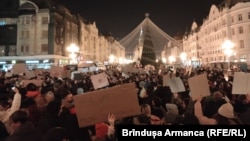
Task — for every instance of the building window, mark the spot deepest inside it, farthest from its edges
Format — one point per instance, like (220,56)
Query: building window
(240,17)
(2,23)
(44,47)
(45,20)
(248,15)
(22,48)
(27,49)
(2,50)
(44,34)
(25,34)
(240,30)
(241,43)
(27,20)
(232,31)
(243,58)
(232,19)
(23,19)
(224,33)
(12,49)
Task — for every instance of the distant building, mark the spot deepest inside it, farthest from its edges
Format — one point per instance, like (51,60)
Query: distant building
(228,21)
(39,32)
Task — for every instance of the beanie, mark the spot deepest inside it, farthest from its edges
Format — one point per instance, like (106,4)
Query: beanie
(101,130)
(226,110)
(79,91)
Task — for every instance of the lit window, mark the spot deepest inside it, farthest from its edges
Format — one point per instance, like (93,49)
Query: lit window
(2,23)
(2,50)
(12,49)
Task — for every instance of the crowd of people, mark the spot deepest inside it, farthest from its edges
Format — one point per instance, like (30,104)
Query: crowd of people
(47,112)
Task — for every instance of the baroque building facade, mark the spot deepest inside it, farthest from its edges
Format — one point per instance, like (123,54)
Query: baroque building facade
(39,33)
(228,21)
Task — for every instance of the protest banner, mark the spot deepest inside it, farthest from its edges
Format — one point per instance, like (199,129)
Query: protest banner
(198,86)
(94,107)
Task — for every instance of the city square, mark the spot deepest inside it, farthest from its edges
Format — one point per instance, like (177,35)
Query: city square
(63,78)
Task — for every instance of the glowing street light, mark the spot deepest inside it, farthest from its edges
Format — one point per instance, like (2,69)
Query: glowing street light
(73,49)
(171,59)
(111,58)
(164,60)
(228,46)
(183,57)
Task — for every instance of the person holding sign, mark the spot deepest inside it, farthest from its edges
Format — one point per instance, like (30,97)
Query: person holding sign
(105,131)
(68,118)
(225,115)
(8,109)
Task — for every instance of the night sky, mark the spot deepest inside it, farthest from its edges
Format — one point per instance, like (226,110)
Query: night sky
(120,17)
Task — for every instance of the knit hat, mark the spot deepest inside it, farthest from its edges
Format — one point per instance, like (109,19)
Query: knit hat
(101,130)
(172,108)
(226,110)
(142,84)
(79,91)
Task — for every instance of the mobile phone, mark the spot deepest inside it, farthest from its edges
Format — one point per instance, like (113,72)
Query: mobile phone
(13,88)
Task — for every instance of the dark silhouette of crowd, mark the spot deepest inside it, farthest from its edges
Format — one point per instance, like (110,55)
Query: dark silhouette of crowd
(47,112)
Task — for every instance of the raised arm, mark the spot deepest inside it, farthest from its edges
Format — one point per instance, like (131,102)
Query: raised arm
(203,120)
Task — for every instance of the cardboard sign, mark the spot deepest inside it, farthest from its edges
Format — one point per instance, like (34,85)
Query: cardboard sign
(94,107)
(241,83)
(176,85)
(56,71)
(66,74)
(166,78)
(19,68)
(30,74)
(198,85)
(99,80)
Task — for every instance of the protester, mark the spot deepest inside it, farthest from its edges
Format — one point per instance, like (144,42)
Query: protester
(106,131)
(225,115)
(22,129)
(56,134)
(8,109)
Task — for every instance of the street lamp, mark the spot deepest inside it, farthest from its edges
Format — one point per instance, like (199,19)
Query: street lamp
(73,49)
(156,60)
(228,46)
(164,60)
(183,57)
(171,59)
